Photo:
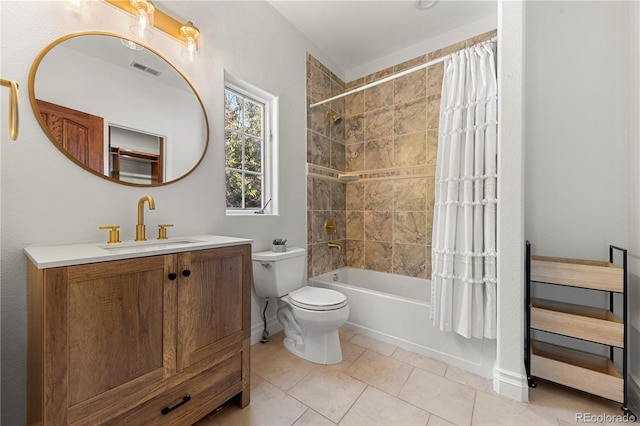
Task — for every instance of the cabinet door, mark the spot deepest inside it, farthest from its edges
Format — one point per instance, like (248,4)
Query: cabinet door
(108,340)
(214,295)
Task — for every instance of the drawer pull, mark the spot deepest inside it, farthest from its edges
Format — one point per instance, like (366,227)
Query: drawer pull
(167,410)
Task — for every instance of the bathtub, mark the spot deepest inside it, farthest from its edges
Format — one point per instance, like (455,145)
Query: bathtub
(395,309)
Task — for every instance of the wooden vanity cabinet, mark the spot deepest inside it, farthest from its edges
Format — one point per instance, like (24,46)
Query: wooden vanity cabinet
(120,342)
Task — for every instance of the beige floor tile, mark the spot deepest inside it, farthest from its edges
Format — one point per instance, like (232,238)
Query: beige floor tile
(383,372)
(256,379)
(373,344)
(283,369)
(350,353)
(269,406)
(437,395)
(261,351)
(375,407)
(438,421)
(329,392)
(466,378)
(345,333)
(492,409)
(567,404)
(312,418)
(423,362)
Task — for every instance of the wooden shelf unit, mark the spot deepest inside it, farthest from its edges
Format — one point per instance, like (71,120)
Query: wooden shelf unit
(570,367)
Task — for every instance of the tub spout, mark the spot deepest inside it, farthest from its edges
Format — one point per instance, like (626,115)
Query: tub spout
(335,246)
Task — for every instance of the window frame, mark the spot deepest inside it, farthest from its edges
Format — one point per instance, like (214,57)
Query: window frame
(269,104)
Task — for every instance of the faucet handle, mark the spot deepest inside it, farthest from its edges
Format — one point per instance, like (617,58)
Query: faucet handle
(114,233)
(162,230)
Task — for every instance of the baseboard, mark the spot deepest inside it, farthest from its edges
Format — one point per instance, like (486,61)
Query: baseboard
(510,384)
(273,326)
(482,369)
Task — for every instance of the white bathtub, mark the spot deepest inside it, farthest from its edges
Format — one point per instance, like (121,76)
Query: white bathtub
(395,309)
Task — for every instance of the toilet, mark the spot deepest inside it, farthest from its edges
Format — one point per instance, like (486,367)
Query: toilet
(311,316)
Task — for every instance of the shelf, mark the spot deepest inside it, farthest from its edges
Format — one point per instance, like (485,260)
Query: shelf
(580,370)
(578,273)
(583,322)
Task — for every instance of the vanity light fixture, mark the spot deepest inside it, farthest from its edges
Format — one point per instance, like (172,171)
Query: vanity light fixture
(143,12)
(186,33)
(191,38)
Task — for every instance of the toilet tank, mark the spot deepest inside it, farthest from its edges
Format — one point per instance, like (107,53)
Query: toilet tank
(276,274)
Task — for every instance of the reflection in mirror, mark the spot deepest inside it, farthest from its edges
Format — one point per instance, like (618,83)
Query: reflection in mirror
(123,113)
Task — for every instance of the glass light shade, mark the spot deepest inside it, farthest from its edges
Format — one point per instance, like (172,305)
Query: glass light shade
(131,44)
(191,41)
(143,13)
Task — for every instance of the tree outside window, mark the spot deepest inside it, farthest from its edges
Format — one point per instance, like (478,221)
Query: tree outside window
(244,150)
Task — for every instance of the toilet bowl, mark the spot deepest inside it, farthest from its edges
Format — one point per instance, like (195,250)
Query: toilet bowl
(310,316)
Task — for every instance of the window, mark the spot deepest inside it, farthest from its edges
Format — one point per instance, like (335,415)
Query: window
(248,136)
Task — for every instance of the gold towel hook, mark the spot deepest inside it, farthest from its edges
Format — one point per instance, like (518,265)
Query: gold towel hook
(13,107)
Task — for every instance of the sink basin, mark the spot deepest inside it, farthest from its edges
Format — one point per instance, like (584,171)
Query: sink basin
(147,246)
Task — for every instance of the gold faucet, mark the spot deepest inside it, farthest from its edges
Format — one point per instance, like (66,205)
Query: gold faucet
(140,228)
(335,246)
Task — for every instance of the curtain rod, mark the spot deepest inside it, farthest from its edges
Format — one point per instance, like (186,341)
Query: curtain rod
(391,77)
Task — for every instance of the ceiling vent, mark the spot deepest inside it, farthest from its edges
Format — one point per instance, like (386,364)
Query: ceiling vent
(145,69)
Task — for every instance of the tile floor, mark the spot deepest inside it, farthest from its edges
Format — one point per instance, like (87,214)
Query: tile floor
(381,384)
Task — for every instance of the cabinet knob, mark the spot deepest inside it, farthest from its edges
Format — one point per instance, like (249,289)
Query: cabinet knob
(186,273)
(172,276)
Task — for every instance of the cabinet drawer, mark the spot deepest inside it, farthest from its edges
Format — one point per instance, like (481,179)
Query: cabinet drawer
(192,399)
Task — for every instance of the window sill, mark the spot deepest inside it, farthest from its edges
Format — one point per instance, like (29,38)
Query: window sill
(248,213)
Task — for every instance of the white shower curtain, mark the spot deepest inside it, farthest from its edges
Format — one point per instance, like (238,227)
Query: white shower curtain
(463,290)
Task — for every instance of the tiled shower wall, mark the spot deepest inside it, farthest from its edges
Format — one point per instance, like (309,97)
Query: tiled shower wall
(389,137)
(326,195)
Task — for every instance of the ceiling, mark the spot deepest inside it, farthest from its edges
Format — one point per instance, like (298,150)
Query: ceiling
(354,33)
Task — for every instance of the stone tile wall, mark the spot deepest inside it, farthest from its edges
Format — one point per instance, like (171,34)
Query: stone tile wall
(326,195)
(389,136)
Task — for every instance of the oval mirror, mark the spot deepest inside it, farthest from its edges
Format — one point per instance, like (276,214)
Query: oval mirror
(118,109)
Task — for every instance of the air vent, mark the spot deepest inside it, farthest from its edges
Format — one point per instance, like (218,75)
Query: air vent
(145,68)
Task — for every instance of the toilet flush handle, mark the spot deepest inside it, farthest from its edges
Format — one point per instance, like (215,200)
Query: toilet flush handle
(266,265)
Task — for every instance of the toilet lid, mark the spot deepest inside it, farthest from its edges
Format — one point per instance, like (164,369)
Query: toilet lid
(317,299)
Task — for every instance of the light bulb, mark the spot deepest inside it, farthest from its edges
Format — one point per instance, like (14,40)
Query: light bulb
(143,12)
(191,46)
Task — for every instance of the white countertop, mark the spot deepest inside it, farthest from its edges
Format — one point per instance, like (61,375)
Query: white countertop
(77,254)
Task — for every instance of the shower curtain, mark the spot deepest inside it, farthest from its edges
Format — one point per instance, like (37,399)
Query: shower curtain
(463,289)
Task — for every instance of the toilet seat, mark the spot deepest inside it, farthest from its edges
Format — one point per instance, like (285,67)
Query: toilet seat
(317,299)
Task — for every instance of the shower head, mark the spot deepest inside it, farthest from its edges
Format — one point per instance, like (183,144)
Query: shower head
(335,117)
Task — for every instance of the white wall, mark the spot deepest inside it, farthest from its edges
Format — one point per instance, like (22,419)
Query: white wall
(581,136)
(508,372)
(634,201)
(46,199)
(576,127)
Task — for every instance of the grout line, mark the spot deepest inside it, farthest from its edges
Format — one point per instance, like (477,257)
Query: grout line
(366,385)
